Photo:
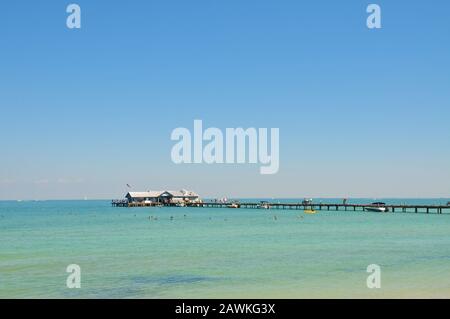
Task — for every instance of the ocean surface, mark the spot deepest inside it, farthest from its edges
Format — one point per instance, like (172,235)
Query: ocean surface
(220,253)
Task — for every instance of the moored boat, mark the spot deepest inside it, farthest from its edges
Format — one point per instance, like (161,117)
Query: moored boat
(264,205)
(377,207)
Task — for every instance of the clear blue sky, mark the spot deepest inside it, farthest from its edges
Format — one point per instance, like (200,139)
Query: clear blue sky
(361,112)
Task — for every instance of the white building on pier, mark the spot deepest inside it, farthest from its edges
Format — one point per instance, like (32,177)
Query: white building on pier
(182,196)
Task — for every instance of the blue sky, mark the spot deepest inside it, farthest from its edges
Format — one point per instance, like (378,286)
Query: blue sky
(361,112)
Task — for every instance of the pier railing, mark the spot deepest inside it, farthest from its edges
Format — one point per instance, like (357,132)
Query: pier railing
(394,208)
(439,209)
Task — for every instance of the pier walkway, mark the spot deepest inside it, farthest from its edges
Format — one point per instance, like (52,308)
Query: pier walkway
(393,208)
(437,209)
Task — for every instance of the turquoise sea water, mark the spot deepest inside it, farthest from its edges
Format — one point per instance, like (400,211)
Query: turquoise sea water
(211,253)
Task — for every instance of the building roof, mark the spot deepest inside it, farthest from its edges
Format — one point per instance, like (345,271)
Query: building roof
(183,193)
(154,194)
(151,194)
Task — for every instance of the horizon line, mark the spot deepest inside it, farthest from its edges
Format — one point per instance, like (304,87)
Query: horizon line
(229,197)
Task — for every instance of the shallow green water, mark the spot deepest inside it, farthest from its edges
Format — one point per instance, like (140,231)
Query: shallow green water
(209,253)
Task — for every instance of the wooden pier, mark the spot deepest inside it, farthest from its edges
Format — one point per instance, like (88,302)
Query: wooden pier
(436,209)
(391,208)
(126,203)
